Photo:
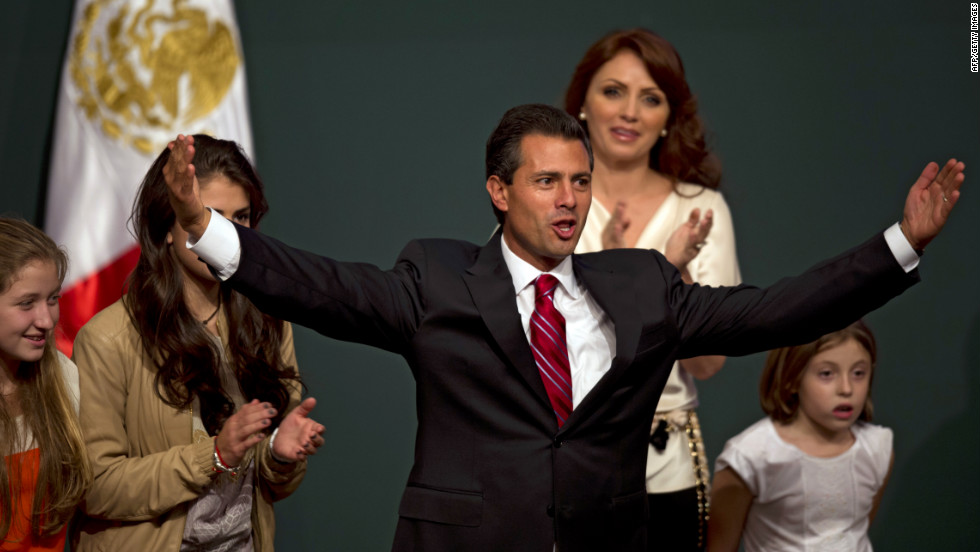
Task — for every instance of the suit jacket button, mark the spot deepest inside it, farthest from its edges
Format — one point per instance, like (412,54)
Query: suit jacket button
(559,443)
(551,510)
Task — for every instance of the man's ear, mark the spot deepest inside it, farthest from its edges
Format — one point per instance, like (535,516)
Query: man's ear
(498,192)
(170,238)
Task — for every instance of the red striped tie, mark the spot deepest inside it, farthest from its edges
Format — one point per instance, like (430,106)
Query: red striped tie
(549,348)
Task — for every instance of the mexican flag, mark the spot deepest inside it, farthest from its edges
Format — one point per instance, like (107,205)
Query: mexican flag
(136,73)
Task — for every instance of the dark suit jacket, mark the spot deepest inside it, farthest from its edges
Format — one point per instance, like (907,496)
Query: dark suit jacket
(492,470)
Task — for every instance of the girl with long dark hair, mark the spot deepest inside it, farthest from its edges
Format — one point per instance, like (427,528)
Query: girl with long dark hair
(185,388)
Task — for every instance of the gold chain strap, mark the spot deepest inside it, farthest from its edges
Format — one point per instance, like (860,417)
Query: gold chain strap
(701,478)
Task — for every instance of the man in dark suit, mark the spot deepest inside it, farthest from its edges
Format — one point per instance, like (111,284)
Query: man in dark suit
(509,455)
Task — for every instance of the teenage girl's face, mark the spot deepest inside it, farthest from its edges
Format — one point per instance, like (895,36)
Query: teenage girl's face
(834,388)
(28,313)
(625,110)
(227,199)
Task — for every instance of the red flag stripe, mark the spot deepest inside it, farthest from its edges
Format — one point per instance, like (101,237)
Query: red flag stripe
(90,295)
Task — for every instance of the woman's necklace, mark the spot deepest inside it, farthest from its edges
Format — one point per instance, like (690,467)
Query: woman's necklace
(213,314)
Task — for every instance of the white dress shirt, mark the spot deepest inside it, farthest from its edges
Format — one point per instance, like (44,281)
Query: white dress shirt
(589,333)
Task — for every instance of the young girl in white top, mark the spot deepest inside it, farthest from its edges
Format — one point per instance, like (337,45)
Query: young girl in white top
(810,475)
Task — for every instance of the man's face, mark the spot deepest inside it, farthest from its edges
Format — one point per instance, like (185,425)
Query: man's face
(546,205)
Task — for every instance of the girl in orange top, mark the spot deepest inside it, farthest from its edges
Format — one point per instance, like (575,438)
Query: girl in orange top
(45,470)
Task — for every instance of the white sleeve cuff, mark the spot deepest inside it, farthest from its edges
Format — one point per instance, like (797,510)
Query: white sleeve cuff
(901,248)
(218,246)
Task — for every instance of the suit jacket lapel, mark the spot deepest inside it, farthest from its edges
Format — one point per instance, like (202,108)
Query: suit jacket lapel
(614,293)
(492,289)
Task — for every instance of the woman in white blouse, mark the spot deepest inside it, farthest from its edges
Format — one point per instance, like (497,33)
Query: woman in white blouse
(655,186)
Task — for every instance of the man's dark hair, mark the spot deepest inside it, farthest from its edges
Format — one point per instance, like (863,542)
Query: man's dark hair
(504,145)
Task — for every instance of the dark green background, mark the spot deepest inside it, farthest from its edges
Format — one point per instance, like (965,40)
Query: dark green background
(370,121)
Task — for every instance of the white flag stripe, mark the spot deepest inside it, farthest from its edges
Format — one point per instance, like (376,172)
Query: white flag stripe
(90,193)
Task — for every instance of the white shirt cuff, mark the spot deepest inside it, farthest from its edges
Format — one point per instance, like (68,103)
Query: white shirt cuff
(218,246)
(901,248)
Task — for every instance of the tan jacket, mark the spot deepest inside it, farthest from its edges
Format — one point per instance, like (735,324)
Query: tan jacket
(146,468)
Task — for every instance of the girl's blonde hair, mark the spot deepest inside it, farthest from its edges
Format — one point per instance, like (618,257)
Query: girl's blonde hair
(784,369)
(48,412)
